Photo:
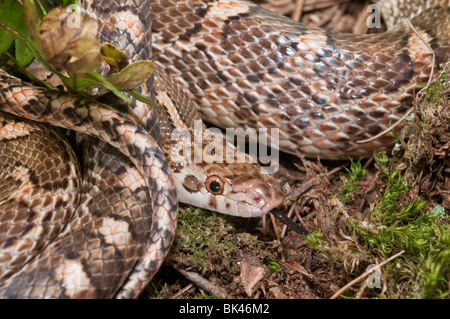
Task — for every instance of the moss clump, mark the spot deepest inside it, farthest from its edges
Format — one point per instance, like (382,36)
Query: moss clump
(316,240)
(436,90)
(355,173)
(204,237)
(396,224)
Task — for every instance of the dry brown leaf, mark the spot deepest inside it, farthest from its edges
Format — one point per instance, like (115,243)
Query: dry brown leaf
(132,76)
(67,45)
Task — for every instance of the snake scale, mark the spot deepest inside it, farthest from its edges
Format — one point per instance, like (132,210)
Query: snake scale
(103,230)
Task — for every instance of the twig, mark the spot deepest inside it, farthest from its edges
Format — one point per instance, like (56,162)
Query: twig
(334,170)
(421,90)
(283,231)
(202,282)
(367,273)
(275,227)
(304,187)
(429,48)
(298,10)
(388,129)
(360,26)
(369,161)
(182,291)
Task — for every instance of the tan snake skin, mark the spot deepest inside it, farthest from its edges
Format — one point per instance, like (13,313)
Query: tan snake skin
(242,67)
(133,141)
(247,67)
(115,241)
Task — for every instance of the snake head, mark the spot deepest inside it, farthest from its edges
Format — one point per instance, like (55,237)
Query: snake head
(238,189)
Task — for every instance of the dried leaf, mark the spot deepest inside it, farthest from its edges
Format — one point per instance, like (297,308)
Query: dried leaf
(133,76)
(113,56)
(85,64)
(70,42)
(252,271)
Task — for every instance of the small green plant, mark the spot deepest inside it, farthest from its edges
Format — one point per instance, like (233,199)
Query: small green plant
(355,173)
(201,234)
(316,239)
(156,289)
(29,29)
(395,224)
(397,185)
(382,161)
(435,90)
(272,265)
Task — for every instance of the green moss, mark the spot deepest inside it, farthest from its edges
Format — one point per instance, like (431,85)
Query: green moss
(355,173)
(156,289)
(396,224)
(382,161)
(316,240)
(272,265)
(203,235)
(435,91)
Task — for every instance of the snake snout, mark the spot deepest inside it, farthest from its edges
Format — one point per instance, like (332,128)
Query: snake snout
(263,193)
(265,202)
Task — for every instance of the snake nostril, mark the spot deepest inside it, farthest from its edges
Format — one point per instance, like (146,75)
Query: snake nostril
(259,201)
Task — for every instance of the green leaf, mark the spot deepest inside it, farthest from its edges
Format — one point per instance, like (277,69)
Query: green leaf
(86,82)
(11,16)
(15,21)
(31,21)
(108,85)
(23,54)
(29,45)
(144,99)
(65,3)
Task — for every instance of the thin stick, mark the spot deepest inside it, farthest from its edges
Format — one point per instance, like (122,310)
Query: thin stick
(367,273)
(283,231)
(334,170)
(182,291)
(369,161)
(202,282)
(426,87)
(429,48)
(275,227)
(298,10)
(388,129)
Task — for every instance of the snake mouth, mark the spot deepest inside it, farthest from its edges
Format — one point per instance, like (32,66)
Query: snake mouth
(264,200)
(256,194)
(276,198)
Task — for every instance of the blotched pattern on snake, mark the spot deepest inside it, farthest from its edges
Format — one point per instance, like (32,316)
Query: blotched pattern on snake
(106,233)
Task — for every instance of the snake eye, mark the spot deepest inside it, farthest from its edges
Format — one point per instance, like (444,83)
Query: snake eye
(214,185)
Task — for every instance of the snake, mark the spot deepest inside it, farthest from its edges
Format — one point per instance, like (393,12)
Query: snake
(229,62)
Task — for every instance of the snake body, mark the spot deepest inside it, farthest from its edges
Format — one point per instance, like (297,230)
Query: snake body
(240,66)
(247,67)
(115,252)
